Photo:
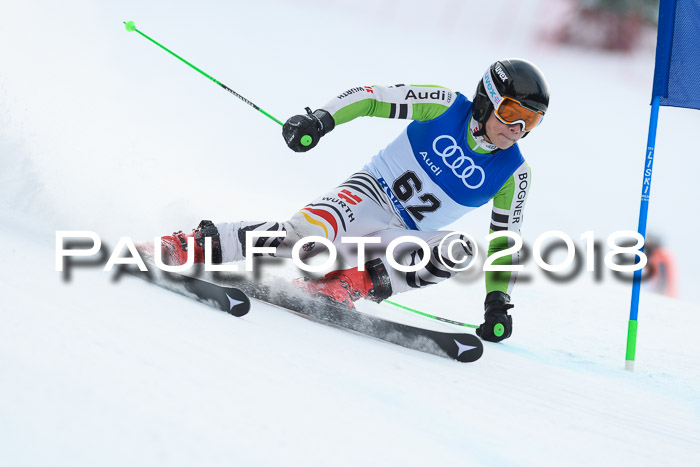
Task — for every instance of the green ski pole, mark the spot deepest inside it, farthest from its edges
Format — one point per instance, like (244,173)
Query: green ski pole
(130,26)
(445,320)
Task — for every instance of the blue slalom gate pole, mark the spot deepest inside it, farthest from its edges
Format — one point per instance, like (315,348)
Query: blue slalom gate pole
(642,228)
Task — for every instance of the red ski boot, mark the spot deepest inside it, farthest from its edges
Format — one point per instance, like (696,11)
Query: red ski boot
(349,285)
(174,247)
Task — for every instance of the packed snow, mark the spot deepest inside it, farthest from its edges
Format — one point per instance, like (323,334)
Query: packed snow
(102,131)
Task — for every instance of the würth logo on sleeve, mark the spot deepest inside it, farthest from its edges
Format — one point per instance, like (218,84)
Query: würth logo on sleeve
(349,197)
(352,91)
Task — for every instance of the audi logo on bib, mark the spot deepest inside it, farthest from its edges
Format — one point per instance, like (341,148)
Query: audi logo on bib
(466,174)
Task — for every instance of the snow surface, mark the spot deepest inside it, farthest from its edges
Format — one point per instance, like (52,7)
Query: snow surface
(101,131)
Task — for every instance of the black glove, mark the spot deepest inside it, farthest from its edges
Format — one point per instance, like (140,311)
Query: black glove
(498,324)
(302,132)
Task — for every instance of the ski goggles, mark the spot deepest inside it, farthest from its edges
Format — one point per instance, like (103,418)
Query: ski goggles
(508,110)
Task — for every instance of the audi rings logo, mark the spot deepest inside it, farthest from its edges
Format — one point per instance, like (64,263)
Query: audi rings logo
(462,166)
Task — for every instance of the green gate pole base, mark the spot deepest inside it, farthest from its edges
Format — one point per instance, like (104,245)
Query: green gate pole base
(631,344)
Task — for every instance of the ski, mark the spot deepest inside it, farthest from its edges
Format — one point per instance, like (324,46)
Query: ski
(229,299)
(462,347)
(230,293)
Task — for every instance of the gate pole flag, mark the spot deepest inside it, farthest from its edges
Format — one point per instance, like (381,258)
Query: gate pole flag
(676,84)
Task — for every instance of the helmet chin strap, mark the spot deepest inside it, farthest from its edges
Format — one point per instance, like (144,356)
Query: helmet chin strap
(482,131)
(482,126)
(478,131)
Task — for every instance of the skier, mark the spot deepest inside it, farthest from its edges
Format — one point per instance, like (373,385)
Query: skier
(660,271)
(455,156)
